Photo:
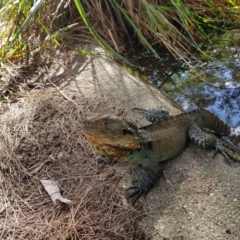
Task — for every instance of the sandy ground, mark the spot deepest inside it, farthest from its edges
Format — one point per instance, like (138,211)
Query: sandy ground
(197,199)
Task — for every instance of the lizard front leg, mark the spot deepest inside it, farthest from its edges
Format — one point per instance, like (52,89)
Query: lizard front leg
(154,171)
(154,115)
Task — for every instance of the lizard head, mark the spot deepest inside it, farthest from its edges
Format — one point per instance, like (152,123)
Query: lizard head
(112,137)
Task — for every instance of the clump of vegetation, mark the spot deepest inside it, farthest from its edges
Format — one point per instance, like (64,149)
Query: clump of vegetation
(32,27)
(114,24)
(176,25)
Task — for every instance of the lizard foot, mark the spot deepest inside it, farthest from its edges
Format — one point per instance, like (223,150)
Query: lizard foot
(219,147)
(145,185)
(154,115)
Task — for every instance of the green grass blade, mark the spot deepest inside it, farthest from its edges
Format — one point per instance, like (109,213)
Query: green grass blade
(136,29)
(97,37)
(32,12)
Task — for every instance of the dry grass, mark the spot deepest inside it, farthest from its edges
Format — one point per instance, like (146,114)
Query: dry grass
(41,139)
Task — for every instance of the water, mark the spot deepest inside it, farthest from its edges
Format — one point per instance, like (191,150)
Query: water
(215,86)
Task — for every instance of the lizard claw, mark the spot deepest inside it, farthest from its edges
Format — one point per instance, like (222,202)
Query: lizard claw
(145,185)
(219,147)
(136,194)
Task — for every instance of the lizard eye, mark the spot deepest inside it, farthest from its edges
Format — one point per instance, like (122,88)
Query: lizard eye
(105,122)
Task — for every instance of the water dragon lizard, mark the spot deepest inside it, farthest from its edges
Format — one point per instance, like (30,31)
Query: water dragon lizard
(116,138)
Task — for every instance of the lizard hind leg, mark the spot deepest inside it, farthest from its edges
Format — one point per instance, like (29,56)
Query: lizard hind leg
(208,140)
(203,139)
(154,115)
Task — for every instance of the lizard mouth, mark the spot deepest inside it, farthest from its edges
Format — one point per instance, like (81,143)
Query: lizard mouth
(113,142)
(109,149)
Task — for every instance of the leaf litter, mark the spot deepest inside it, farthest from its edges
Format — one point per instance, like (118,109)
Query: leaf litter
(41,143)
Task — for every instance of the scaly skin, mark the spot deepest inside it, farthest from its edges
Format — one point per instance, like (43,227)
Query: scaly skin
(167,138)
(115,138)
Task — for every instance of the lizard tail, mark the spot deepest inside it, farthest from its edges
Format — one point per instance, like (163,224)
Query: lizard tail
(210,121)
